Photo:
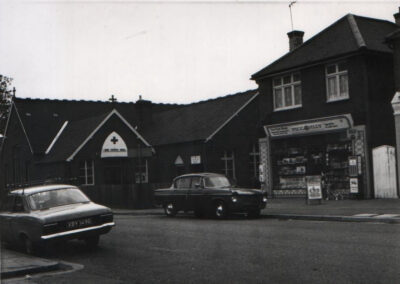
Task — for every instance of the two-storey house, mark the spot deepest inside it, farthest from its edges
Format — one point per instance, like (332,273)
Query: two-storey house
(326,104)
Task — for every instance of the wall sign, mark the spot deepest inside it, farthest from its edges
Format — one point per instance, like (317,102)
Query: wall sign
(311,126)
(261,171)
(314,190)
(114,146)
(353,185)
(195,160)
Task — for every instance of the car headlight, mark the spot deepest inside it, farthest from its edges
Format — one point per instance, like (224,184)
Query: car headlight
(264,199)
(234,199)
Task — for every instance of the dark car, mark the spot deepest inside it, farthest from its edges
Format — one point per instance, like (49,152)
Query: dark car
(33,216)
(209,194)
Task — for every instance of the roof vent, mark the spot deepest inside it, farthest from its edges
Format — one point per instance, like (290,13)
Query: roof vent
(295,39)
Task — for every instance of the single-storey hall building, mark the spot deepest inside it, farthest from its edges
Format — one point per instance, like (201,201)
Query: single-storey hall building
(120,152)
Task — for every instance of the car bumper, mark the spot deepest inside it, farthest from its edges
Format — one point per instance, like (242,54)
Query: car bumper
(77,233)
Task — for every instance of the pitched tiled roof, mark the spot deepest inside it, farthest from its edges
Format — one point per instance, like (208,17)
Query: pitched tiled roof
(195,121)
(72,136)
(43,118)
(349,34)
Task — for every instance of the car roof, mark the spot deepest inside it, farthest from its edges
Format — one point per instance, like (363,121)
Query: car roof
(40,188)
(201,174)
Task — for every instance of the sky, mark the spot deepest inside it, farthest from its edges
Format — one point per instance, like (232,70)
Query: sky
(164,51)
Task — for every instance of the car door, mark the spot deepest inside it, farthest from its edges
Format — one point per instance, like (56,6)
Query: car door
(182,186)
(194,193)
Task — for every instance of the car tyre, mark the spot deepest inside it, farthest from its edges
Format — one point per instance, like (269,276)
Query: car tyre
(92,242)
(254,213)
(170,209)
(220,210)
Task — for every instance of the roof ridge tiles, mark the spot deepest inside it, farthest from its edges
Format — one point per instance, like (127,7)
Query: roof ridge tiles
(220,97)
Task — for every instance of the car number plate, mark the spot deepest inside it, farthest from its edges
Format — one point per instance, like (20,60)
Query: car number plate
(79,223)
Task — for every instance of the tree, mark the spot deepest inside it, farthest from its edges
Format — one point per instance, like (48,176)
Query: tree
(6,94)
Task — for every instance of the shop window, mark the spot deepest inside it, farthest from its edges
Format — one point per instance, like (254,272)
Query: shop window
(228,160)
(337,85)
(254,161)
(86,172)
(142,172)
(287,92)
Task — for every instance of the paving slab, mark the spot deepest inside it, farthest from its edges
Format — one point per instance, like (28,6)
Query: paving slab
(15,264)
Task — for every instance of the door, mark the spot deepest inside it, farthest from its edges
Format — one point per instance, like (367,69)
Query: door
(182,186)
(195,193)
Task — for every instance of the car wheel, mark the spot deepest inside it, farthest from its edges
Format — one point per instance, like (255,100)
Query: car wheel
(92,242)
(254,213)
(220,210)
(170,209)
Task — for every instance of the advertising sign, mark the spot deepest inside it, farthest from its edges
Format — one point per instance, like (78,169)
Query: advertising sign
(314,188)
(261,170)
(353,185)
(310,126)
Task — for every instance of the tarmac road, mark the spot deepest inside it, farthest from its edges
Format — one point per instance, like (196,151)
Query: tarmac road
(157,249)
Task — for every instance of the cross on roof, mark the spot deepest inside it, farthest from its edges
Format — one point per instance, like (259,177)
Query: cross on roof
(112,99)
(114,140)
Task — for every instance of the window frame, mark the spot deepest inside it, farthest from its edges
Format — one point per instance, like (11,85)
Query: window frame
(282,86)
(144,171)
(86,170)
(229,165)
(336,75)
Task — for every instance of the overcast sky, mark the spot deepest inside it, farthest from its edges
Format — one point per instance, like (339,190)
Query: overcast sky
(166,51)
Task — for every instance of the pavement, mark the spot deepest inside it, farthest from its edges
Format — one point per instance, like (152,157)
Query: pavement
(15,264)
(373,210)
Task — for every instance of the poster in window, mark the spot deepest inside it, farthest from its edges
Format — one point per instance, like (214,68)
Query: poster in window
(314,189)
(195,160)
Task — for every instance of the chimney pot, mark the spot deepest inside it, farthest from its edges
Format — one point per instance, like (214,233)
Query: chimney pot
(295,39)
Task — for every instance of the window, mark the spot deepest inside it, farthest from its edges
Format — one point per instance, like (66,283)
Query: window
(254,161)
(86,172)
(183,183)
(228,160)
(196,182)
(142,173)
(287,92)
(337,86)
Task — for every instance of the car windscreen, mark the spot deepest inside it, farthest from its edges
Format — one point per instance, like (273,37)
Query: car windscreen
(54,198)
(217,181)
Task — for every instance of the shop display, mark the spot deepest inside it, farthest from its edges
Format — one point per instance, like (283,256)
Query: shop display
(328,159)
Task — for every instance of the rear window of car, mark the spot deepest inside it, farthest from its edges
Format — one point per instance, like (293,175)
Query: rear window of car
(58,197)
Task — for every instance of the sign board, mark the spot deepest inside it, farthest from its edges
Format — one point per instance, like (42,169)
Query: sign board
(310,126)
(195,160)
(353,166)
(353,185)
(114,146)
(261,171)
(179,161)
(314,188)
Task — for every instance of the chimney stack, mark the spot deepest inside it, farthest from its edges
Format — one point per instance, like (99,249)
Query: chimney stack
(295,39)
(397,17)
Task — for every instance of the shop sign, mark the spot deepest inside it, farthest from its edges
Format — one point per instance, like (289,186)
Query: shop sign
(195,160)
(114,146)
(353,185)
(314,189)
(310,126)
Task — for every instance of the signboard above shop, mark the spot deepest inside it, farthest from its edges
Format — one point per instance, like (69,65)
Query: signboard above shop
(312,126)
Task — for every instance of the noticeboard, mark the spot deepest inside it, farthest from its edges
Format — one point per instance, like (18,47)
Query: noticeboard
(314,187)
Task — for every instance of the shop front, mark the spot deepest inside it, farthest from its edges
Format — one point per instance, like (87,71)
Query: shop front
(330,148)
